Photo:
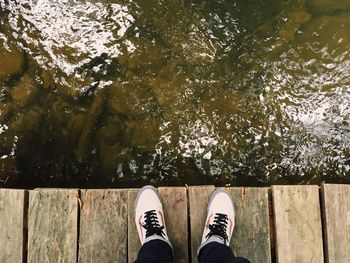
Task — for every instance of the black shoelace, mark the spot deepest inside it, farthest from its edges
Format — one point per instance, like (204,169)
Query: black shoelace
(219,226)
(152,224)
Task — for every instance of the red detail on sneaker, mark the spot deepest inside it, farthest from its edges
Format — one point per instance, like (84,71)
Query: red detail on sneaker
(161,217)
(207,223)
(141,228)
(231,226)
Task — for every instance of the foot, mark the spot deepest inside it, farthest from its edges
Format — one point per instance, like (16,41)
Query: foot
(220,220)
(149,216)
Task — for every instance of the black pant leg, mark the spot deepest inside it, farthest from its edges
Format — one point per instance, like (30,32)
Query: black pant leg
(215,252)
(155,251)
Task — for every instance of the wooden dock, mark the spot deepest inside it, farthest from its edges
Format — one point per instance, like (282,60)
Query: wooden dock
(277,224)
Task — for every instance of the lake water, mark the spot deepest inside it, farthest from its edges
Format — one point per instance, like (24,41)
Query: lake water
(104,93)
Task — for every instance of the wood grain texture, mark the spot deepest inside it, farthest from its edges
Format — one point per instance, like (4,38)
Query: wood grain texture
(174,201)
(336,215)
(103,226)
(251,236)
(11,225)
(198,200)
(52,225)
(298,224)
(133,238)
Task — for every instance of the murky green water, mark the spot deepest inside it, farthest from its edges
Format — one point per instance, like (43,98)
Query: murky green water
(105,93)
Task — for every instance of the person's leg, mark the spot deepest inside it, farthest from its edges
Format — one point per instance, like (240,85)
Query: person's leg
(214,252)
(149,219)
(218,230)
(155,251)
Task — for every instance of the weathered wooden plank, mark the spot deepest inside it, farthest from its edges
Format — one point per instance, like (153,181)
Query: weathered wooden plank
(336,215)
(133,238)
(52,225)
(298,224)
(174,201)
(251,236)
(198,200)
(11,225)
(103,226)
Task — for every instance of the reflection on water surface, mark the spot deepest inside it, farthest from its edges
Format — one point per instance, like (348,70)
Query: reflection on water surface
(104,93)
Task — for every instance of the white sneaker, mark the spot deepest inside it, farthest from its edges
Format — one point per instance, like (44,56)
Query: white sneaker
(149,216)
(220,220)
